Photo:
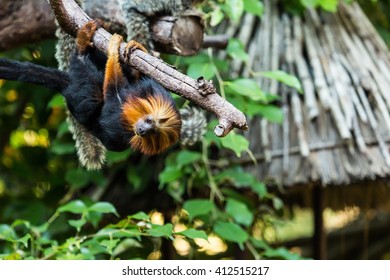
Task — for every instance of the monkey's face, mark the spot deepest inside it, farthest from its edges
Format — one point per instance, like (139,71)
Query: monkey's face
(154,121)
(145,126)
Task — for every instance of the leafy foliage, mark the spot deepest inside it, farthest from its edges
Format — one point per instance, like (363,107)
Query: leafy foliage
(189,195)
(298,6)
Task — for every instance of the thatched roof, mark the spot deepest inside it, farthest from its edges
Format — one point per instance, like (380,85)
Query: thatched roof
(337,131)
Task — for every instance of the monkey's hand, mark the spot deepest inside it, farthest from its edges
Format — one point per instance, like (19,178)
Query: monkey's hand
(130,47)
(85,34)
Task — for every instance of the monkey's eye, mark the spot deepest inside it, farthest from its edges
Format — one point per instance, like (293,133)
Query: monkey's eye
(163,120)
(149,120)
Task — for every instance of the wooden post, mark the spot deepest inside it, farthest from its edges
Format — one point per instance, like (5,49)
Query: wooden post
(319,237)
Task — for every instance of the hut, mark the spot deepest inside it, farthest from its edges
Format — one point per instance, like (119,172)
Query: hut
(335,135)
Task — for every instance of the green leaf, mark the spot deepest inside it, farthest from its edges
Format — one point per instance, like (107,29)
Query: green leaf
(260,189)
(169,174)
(285,78)
(277,203)
(246,87)
(140,216)
(77,223)
(230,232)
(126,245)
(134,177)
(19,222)
(188,157)
(235,9)
(270,112)
(193,233)
(216,16)
(73,257)
(7,232)
(75,207)
(329,5)
(119,233)
(198,207)
(259,244)
(309,3)
(94,218)
(24,240)
(98,177)
(12,256)
(199,58)
(103,207)
(60,149)
(41,228)
(161,231)
(110,244)
(237,176)
(235,142)
(114,157)
(281,253)
(235,49)
(62,129)
(239,212)
(255,7)
(56,101)
(197,70)
(77,178)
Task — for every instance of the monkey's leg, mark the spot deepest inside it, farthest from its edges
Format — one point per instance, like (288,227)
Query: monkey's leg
(113,76)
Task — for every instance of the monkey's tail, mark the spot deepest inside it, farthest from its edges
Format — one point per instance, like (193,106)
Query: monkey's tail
(35,74)
(90,151)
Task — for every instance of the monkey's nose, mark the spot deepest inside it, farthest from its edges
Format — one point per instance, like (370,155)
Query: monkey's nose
(143,128)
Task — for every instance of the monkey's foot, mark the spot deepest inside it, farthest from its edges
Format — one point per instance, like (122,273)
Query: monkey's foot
(132,46)
(85,34)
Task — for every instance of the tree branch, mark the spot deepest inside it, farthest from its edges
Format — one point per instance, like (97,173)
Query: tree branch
(203,93)
(30,21)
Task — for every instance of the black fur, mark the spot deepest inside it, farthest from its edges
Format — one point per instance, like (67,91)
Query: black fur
(31,73)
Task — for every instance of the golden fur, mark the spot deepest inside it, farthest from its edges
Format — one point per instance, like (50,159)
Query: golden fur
(167,123)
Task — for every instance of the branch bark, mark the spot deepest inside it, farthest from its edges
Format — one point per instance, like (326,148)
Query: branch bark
(203,93)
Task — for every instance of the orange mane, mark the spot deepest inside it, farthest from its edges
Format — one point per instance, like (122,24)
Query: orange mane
(165,115)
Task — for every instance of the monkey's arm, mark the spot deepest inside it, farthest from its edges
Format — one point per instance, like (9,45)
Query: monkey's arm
(113,75)
(35,74)
(114,78)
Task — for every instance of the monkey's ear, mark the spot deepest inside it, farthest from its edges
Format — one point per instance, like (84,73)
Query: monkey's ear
(113,75)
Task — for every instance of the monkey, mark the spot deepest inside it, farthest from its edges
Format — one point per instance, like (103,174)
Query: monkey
(116,104)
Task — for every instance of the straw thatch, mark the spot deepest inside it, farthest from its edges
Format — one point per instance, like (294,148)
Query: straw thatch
(337,132)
